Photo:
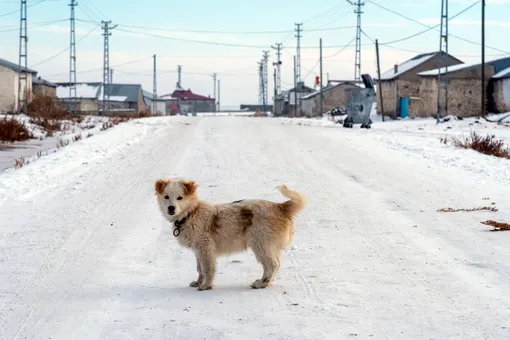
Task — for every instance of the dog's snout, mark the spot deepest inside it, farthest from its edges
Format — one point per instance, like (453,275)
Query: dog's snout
(171,210)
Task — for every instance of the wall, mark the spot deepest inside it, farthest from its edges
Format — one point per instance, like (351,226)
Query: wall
(44,90)
(8,83)
(88,106)
(502,94)
(9,89)
(388,90)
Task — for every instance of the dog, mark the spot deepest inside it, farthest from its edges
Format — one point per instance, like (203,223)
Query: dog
(213,230)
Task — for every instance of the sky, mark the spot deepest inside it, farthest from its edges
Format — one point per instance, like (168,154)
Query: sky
(228,37)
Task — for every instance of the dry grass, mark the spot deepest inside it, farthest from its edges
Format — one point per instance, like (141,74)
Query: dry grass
(493,209)
(497,226)
(11,130)
(48,107)
(487,145)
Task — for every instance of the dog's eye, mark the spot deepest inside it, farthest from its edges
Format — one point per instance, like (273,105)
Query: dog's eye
(166,197)
(179,198)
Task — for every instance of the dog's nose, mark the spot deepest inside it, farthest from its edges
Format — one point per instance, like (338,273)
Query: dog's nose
(171,210)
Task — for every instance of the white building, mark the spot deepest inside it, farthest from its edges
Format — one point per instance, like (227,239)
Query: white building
(9,73)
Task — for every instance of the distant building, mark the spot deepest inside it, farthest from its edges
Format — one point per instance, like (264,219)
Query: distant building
(464,88)
(501,82)
(124,98)
(400,86)
(284,103)
(43,87)
(189,102)
(333,96)
(255,107)
(161,104)
(9,73)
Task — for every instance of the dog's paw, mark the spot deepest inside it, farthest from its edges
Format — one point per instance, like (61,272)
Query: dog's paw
(204,287)
(260,284)
(194,284)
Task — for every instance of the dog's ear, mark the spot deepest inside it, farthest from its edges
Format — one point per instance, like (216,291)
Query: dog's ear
(190,187)
(160,186)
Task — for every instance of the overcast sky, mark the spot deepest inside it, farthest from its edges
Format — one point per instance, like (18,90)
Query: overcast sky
(228,37)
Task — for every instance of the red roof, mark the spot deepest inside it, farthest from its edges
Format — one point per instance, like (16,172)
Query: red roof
(188,95)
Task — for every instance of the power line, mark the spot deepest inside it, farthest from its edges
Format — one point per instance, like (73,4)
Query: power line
(65,50)
(430,28)
(35,24)
(424,25)
(27,6)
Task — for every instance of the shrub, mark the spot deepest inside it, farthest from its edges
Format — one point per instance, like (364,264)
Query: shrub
(11,130)
(47,107)
(488,145)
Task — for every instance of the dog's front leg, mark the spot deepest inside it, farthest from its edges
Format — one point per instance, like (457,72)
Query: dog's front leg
(200,279)
(207,267)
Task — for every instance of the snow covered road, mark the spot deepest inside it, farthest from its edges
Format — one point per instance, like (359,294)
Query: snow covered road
(85,254)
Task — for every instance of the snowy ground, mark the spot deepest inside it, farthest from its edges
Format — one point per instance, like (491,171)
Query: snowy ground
(42,143)
(84,253)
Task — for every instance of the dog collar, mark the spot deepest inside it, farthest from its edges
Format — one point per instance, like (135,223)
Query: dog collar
(178,225)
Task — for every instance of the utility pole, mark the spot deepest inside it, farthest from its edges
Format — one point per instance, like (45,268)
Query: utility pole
(264,79)
(357,61)
(261,81)
(154,87)
(23,60)
(484,107)
(111,76)
(214,75)
(320,76)
(295,87)
(443,38)
(379,87)
(179,74)
(278,82)
(72,59)
(106,65)
(298,51)
(274,82)
(219,107)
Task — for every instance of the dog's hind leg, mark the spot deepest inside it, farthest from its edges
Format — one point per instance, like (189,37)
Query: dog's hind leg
(270,261)
(200,279)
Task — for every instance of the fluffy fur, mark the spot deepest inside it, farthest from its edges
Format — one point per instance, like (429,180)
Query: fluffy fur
(213,230)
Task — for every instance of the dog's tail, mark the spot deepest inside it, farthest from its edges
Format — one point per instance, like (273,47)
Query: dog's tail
(296,203)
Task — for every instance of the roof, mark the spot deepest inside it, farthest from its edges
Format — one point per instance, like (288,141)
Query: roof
(327,88)
(14,66)
(122,92)
(149,95)
(409,65)
(503,74)
(499,65)
(40,81)
(187,95)
(94,90)
(83,90)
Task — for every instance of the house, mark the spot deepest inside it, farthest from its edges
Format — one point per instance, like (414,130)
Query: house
(464,88)
(124,98)
(189,102)
(501,92)
(400,86)
(284,102)
(333,95)
(161,107)
(43,87)
(9,75)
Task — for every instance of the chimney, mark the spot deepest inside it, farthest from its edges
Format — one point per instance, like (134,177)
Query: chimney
(395,68)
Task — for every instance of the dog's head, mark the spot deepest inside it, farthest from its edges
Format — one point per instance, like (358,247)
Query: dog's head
(175,197)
